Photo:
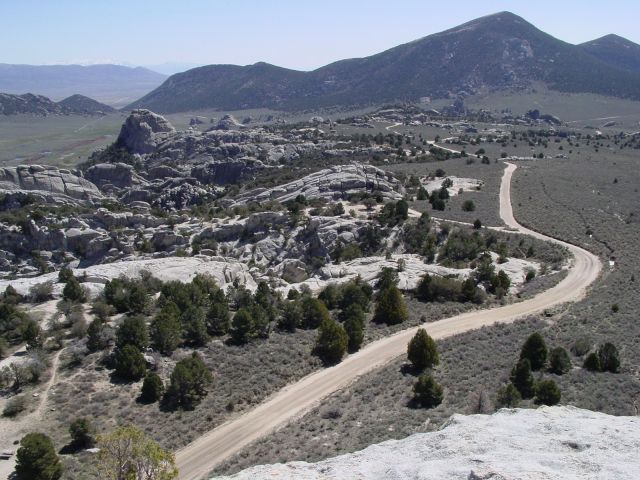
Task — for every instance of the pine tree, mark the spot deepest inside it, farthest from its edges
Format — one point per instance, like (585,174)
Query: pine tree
(592,362)
(165,333)
(390,307)
(218,318)
(95,336)
(353,319)
(559,361)
(130,363)
(422,350)
(427,392)
(189,382)
(522,378)
(133,331)
(152,388)
(36,459)
(73,291)
(314,312)
(534,350)
(291,316)
(241,326)
(332,341)
(608,358)
(547,392)
(508,396)
(194,329)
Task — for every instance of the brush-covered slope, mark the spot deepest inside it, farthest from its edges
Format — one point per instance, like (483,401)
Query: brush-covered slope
(615,51)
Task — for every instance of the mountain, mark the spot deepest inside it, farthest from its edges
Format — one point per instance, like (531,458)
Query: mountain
(615,51)
(88,106)
(115,85)
(500,51)
(29,103)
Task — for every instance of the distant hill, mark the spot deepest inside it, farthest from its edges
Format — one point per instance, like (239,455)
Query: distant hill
(88,106)
(500,51)
(615,51)
(29,103)
(114,85)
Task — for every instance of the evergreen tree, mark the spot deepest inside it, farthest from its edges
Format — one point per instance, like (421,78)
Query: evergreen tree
(592,362)
(387,278)
(559,361)
(130,363)
(332,341)
(355,293)
(547,392)
(165,332)
(138,300)
(189,382)
(194,328)
(608,358)
(96,339)
(82,433)
(422,350)
(508,396)
(353,319)
(36,459)
(241,326)
(218,318)
(314,312)
(535,350)
(522,378)
(390,307)
(73,291)
(133,331)
(291,316)
(152,388)
(427,392)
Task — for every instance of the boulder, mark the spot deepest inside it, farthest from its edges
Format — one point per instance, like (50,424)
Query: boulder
(142,131)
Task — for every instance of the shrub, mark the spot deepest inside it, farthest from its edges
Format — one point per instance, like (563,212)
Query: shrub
(189,382)
(390,307)
(608,358)
(427,393)
(559,361)
(581,346)
(422,351)
(332,341)
(41,292)
(152,388)
(522,378)
(547,392)
(82,433)
(14,406)
(468,206)
(477,224)
(129,362)
(535,350)
(96,338)
(36,459)
(508,396)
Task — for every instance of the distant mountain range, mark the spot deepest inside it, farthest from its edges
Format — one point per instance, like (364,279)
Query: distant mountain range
(114,85)
(500,51)
(31,104)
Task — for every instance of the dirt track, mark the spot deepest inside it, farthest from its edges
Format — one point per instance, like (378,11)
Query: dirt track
(197,459)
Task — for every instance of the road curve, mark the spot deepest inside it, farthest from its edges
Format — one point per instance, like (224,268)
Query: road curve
(197,459)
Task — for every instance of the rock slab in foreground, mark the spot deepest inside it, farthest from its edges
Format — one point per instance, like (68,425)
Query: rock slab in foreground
(550,443)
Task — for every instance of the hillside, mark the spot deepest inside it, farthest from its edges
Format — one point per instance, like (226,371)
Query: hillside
(500,51)
(40,105)
(115,85)
(550,442)
(615,51)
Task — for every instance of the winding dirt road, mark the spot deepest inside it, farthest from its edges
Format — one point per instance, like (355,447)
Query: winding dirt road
(197,459)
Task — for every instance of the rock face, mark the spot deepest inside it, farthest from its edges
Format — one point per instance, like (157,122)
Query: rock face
(142,130)
(331,183)
(550,443)
(228,122)
(50,182)
(119,175)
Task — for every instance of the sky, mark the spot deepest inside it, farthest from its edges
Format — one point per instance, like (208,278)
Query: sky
(290,33)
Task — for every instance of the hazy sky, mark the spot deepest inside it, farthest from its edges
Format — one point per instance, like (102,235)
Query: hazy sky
(291,33)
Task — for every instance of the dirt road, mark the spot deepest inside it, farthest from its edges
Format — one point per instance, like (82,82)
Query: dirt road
(200,457)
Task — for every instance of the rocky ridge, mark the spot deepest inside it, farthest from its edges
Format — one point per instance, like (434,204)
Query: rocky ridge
(555,443)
